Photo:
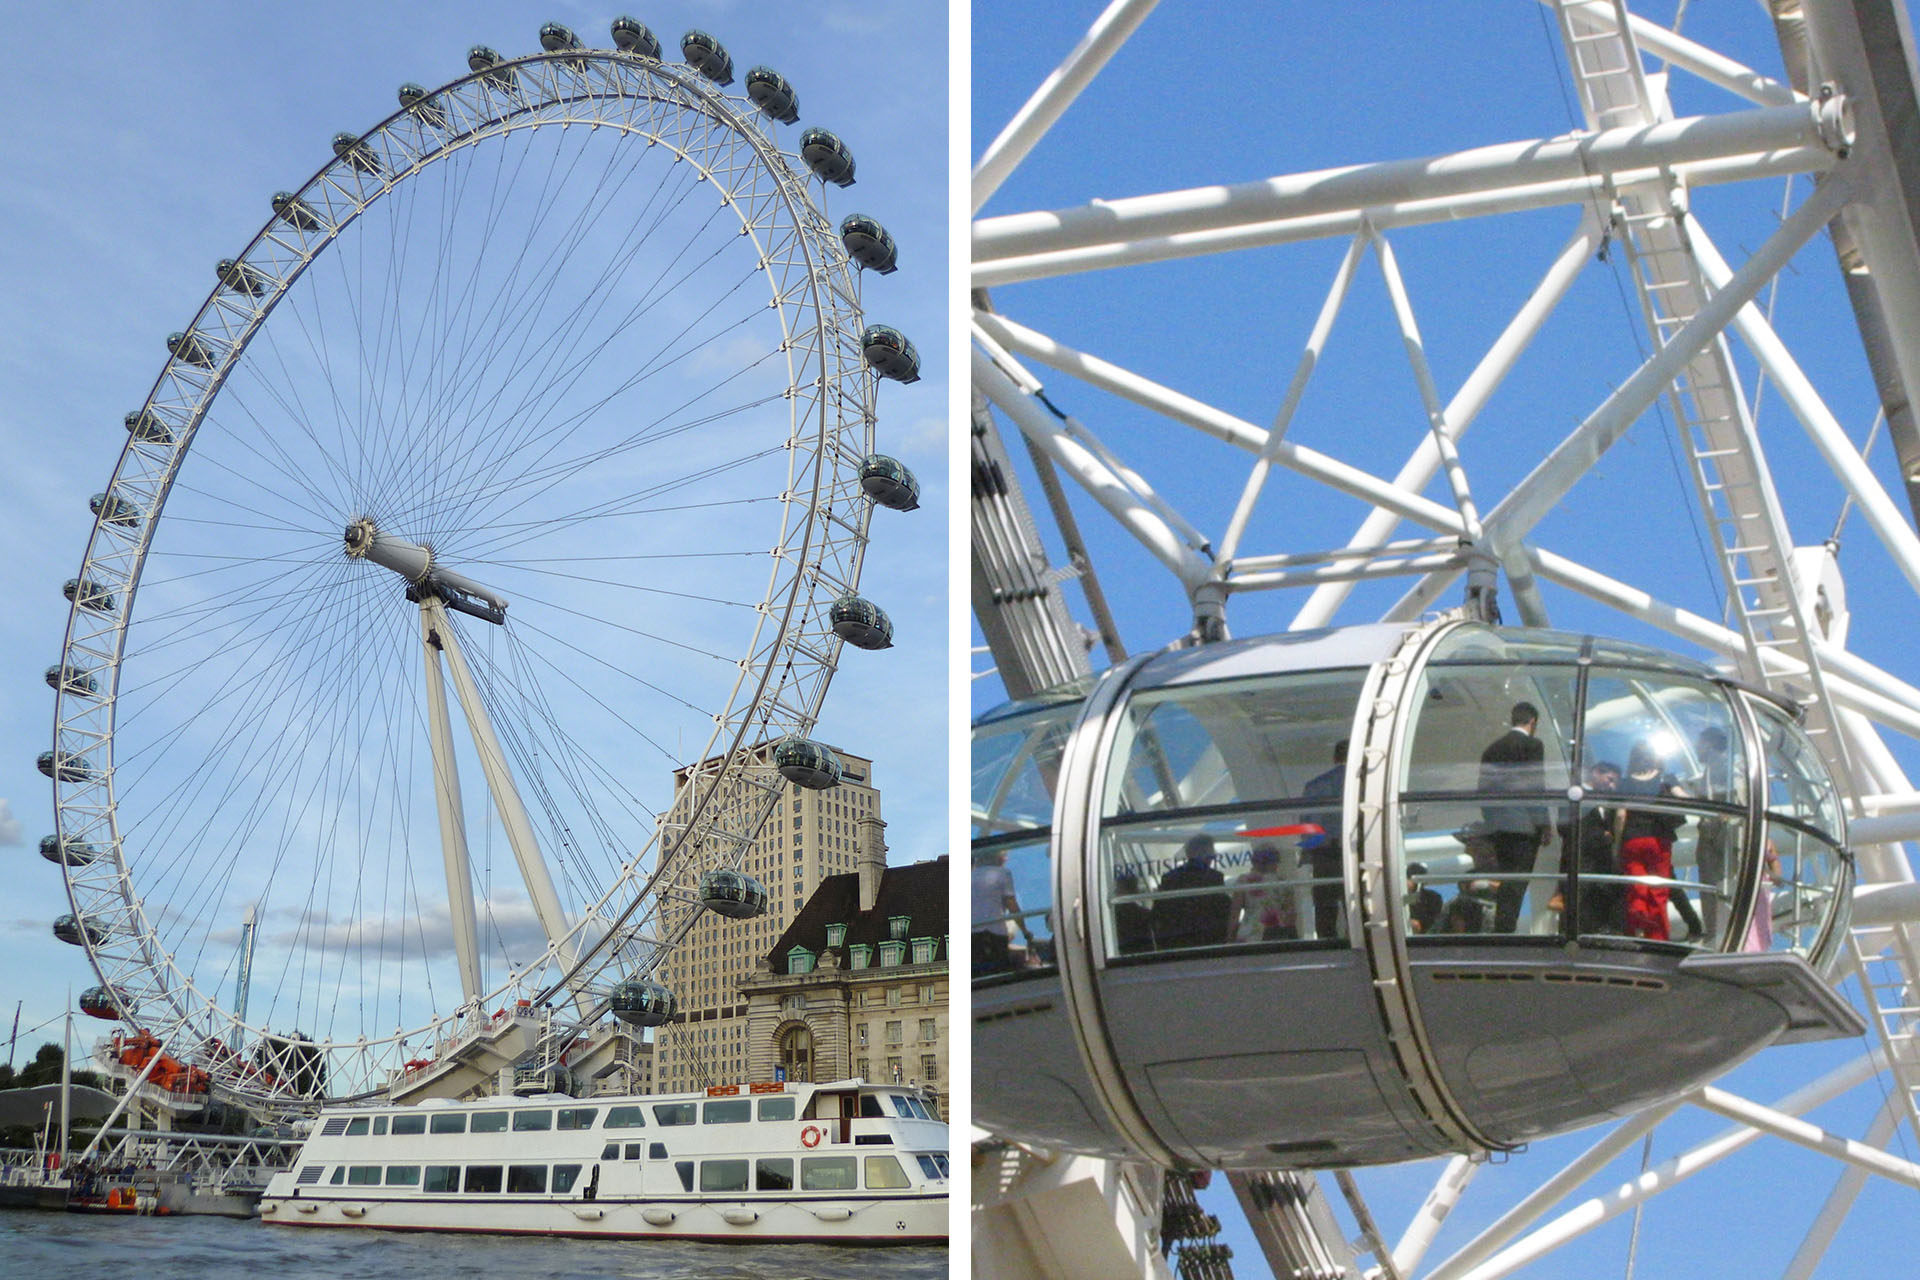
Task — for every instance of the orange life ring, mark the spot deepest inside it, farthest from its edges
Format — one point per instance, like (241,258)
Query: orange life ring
(810,1136)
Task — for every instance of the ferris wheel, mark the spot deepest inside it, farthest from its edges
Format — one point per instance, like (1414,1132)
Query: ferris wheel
(552,390)
(1220,444)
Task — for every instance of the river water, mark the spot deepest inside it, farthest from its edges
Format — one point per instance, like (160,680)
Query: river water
(37,1245)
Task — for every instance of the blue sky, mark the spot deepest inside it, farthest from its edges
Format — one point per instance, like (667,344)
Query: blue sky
(1217,92)
(139,162)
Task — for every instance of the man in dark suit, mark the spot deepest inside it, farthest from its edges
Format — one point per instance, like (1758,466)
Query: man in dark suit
(1198,919)
(1515,761)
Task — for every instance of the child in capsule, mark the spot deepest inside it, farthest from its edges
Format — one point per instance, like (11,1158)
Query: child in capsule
(1644,839)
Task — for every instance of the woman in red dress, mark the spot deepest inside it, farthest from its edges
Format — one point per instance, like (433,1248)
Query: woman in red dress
(1644,838)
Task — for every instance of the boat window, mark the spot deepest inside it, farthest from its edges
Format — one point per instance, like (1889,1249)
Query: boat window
(564,1176)
(934,1166)
(776,1108)
(442,1177)
(610,1152)
(577,1117)
(873,1140)
(774,1174)
(910,1108)
(403,1175)
(732,1111)
(357,1127)
(527,1179)
(626,1118)
(409,1124)
(672,1113)
(334,1127)
(657,1151)
(723,1175)
(339,1175)
(364,1175)
(456,1123)
(379,1126)
(531,1121)
(633,1150)
(310,1175)
(827,1173)
(870,1108)
(483,1179)
(884,1173)
(489,1122)
(685,1169)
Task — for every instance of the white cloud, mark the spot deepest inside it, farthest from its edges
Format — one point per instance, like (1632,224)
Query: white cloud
(11,832)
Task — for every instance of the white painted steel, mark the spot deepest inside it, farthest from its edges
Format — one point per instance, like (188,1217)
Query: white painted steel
(446,793)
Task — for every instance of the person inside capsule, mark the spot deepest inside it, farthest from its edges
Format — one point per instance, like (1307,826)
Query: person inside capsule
(1644,840)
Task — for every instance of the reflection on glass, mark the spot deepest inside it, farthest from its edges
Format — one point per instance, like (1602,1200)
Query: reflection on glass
(1012,908)
(1016,765)
(1800,877)
(1468,731)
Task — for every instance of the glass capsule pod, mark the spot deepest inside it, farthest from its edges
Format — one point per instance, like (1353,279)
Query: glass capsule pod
(111,508)
(64,767)
(733,894)
(644,1004)
(861,623)
(107,1002)
(888,482)
(71,679)
(554,37)
(537,1078)
(295,212)
(631,36)
(190,347)
(354,150)
(772,94)
(870,244)
(889,354)
(417,100)
(242,277)
(70,853)
(1367,895)
(88,594)
(807,763)
(143,426)
(827,156)
(707,56)
(485,60)
(68,928)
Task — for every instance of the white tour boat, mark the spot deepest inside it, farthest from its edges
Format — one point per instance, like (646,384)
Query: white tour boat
(846,1162)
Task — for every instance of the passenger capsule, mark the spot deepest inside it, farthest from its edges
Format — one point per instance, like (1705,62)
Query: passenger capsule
(707,56)
(869,243)
(65,767)
(772,94)
(355,151)
(630,36)
(482,59)
(68,928)
(534,1079)
(1504,883)
(644,1004)
(827,156)
(889,354)
(242,277)
(191,348)
(733,894)
(143,426)
(888,482)
(107,1002)
(807,763)
(295,212)
(555,38)
(70,853)
(88,594)
(416,99)
(861,623)
(113,509)
(67,679)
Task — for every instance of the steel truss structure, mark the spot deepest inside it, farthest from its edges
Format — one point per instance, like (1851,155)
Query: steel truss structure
(1633,182)
(822,425)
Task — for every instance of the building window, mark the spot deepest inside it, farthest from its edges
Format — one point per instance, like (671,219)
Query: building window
(795,1005)
(928,1033)
(799,960)
(861,954)
(863,1069)
(892,952)
(894,1072)
(929,1067)
(893,1032)
(897,926)
(926,993)
(796,1053)
(893,997)
(836,934)
(863,1035)
(923,949)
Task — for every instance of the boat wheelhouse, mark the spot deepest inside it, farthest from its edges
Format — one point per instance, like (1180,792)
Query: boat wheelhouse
(843,1162)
